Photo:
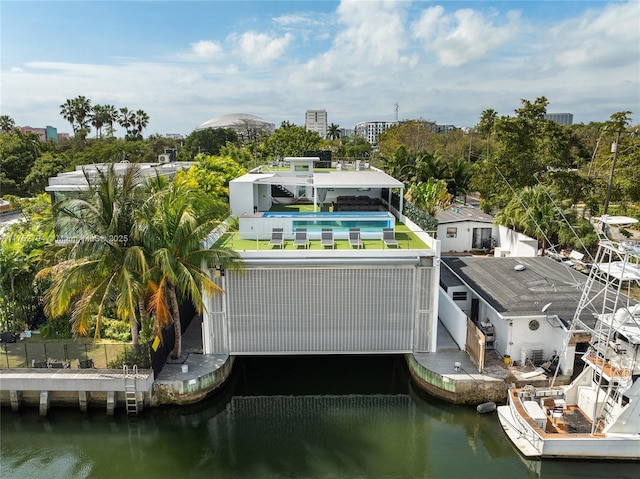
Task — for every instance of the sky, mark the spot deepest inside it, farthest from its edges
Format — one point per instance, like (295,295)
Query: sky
(185,62)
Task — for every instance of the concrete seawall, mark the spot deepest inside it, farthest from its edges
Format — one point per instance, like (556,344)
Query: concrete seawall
(457,387)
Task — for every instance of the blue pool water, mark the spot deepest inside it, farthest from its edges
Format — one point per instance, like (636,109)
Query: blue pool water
(325,214)
(339,222)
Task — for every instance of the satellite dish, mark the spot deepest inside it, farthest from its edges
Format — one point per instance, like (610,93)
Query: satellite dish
(545,307)
(519,267)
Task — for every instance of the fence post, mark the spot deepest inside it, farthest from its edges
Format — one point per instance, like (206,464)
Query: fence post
(26,355)
(86,355)
(106,357)
(6,353)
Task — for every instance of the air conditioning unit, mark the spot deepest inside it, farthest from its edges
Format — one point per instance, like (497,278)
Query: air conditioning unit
(164,158)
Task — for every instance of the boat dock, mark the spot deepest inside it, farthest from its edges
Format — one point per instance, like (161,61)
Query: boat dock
(83,387)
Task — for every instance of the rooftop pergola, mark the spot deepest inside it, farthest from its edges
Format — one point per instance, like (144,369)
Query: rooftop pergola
(322,181)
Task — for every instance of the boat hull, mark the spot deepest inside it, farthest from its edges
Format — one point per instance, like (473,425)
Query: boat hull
(531,444)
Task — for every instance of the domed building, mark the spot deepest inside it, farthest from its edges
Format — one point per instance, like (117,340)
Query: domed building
(248,127)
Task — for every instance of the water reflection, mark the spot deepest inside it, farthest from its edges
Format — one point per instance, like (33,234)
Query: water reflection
(329,417)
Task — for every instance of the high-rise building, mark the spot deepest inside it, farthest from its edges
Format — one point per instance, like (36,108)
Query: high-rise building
(565,119)
(316,120)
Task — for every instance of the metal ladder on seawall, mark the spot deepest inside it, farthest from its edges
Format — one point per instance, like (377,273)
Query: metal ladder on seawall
(130,392)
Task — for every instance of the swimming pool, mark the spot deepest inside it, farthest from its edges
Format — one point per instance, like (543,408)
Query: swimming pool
(370,223)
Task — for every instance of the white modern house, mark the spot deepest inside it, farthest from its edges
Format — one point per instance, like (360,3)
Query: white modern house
(372,297)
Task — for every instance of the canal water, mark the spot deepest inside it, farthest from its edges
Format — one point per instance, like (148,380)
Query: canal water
(283,417)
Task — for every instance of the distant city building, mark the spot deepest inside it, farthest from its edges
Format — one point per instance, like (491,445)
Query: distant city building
(247,127)
(174,136)
(443,128)
(346,132)
(48,133)
(369,130)
(565,119)
(316,120)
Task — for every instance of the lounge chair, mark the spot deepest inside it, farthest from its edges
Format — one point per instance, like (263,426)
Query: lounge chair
(277,237)
(39,364)
(389,238)
(301,238)
(354,238)
(326,237)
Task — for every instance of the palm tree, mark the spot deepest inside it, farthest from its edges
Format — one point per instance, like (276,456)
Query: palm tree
(101,265)
(173,226)
(487,121)
(531,212)
(98,118)
(459,177)
(333,132)
(82,111)
(110,117)
(140,121)
(124,119)
(67,111)
(7,124)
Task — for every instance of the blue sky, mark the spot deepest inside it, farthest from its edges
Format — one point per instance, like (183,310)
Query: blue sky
(184,62)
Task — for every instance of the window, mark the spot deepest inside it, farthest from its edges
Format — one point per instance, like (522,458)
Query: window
(452,232)
(459,295)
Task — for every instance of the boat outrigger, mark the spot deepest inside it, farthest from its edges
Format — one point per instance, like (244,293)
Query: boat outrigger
(596,416)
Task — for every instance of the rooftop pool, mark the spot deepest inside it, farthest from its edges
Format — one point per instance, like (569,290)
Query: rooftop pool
(370,223)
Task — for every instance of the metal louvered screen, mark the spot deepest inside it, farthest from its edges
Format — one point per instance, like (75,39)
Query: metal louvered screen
(321,309)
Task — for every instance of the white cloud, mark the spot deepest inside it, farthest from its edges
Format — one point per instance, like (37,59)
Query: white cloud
(206,50)
(462,37)
(374,32)
(598,38)
(260,48)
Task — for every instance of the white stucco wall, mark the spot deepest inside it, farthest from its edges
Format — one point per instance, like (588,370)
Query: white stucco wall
(464,235)
(453,318)
(512,243)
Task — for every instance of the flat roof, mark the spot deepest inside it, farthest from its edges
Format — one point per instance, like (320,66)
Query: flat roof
(326,179)
(355,179)
(515,293)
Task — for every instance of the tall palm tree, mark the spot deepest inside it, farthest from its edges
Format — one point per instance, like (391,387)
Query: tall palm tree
(82,111)
(173,226)
(140,121)
(487,121)
(333,132)
(67,111)
(101,265)
(124,119)
(110,117)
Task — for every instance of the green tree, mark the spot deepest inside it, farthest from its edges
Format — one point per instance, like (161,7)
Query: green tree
(208,141)
(102,268)
(18,153)
(289,140)
(429,195)
(45,166)
(173,226)
(212,175)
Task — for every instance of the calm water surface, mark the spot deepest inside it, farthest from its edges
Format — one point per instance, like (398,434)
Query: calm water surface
(321,417)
